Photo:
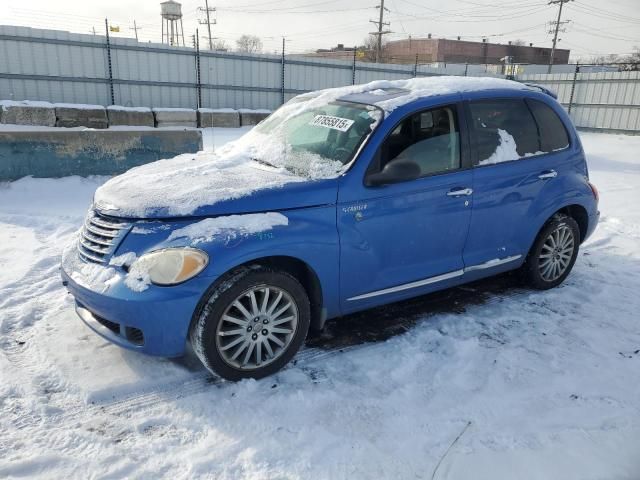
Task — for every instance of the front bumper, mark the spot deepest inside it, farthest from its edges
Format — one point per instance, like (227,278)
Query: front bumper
(155,321)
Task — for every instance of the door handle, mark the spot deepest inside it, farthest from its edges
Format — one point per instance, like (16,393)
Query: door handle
(459,192)
(547,174)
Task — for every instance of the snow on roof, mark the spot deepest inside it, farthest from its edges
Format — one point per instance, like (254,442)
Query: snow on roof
(391,94)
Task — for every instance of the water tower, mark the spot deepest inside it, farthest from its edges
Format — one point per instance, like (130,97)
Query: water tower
(172,30)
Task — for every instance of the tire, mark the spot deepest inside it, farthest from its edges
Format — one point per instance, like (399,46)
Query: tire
(547,265)
(236,319)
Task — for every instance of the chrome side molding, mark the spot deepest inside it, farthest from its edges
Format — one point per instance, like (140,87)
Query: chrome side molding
(438,278)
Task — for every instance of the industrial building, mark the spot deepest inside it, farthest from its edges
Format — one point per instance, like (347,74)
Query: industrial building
(440,51)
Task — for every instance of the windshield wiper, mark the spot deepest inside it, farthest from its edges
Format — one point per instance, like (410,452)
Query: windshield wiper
(263,162)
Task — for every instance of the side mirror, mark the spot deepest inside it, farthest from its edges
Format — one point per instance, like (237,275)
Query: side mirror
(394,172)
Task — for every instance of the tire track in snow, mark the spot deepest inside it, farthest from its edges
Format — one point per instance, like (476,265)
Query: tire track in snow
(309,360)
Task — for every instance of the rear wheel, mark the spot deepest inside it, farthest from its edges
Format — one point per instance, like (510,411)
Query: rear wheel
(252,324)
(553,254)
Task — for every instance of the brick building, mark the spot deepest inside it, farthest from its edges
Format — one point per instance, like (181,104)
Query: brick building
(440,50)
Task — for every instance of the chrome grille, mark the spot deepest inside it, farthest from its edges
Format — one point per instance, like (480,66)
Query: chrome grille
(100,237)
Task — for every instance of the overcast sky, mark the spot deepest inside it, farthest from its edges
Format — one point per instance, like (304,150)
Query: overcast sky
(596,27)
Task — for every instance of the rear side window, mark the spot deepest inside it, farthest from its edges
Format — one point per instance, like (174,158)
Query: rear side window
(504,130)
(553,134)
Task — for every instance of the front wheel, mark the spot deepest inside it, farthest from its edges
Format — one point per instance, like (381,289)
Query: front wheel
(252,324)
(553,254)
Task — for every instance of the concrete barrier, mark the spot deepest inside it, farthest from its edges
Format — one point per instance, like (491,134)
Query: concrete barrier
(252,117)
(59,153)
(133,116)
(27,113)
(218,117)
(78,115)
(175,117)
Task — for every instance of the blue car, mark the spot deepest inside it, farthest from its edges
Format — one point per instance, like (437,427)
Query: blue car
(342,200)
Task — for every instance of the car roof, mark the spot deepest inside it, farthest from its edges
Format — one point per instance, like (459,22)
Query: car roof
(389,95)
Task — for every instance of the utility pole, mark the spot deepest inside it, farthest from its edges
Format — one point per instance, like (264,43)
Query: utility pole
(208,21)
(557,24)
(135,28)
(380,32)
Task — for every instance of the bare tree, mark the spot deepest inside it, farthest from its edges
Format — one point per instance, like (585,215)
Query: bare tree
(519,42)
(632,62)
(249,44)
(369,46)
(220,45)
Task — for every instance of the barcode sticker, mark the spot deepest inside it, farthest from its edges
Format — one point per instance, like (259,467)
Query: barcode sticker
(335,123)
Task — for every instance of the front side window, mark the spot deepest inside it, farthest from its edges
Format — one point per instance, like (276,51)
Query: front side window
(429,139)
(504,130)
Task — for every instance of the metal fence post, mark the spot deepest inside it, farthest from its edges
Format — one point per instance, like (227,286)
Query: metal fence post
(573,86)
(198,78)
(415,67)
(466,66)
(113,98)
(353,66)
(282,84)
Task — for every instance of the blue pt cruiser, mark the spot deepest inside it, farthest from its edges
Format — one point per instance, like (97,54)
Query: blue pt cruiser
(341,200)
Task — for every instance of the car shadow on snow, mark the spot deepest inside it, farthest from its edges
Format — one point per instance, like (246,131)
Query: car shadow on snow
(381,323)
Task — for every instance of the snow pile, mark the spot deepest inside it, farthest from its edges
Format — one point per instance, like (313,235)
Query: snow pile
(232,225)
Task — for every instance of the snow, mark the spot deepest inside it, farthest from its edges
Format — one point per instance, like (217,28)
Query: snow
(416,88)
(505,151)
(217,110)
(549,380)
(258,110)
(167,109)
(79,106)
(232,226)
(179,186)
(129,109)
(4,104)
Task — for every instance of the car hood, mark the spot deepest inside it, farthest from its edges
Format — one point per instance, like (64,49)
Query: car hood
(207,184)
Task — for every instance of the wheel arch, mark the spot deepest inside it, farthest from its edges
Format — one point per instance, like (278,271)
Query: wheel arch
(295,267)
(580,215)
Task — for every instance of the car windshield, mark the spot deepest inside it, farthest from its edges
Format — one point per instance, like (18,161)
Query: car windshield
(314,140)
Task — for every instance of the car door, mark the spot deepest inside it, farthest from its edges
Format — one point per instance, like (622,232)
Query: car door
(511,171)
(404,238)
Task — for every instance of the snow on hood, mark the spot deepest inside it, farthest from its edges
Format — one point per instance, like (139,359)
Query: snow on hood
(181,185)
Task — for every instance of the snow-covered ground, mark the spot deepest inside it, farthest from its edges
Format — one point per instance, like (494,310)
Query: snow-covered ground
(535,385)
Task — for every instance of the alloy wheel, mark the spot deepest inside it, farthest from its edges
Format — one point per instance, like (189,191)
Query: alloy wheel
(257,327)
(557,251)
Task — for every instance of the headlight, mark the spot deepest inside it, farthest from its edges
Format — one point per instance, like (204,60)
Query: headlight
(171,265)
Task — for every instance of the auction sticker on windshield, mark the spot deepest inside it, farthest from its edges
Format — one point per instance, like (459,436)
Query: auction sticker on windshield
(335,123)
